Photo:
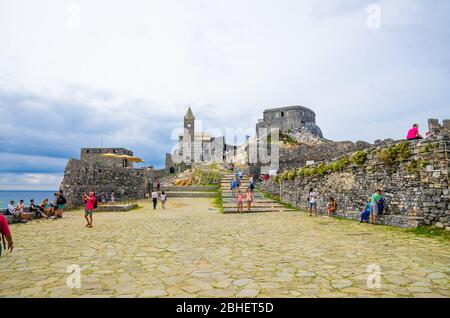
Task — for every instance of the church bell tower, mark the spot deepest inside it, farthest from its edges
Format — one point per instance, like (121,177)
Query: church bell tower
(188,136)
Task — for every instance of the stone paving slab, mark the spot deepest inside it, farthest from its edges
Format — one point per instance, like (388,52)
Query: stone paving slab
(192,250)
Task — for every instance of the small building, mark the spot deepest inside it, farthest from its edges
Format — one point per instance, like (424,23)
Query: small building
(291,118)
(97,155)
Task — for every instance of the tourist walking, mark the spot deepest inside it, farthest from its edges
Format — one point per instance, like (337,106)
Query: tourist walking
(163,199)
(5,232)
(155,199)
(312,202)
(158,185)
(252,187)
(331,207)
(113,197)
(374,201)
(89,201)
(233,186)
(249,199)
(240,200)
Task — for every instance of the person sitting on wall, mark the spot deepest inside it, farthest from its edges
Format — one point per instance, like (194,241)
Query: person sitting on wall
(11,208)
(20,213)
(46,208)
(36,210)
(366,213)
(413,133)
(331,206)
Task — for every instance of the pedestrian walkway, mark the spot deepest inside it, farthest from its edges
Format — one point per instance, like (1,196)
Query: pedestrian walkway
(260,203)
(192,250)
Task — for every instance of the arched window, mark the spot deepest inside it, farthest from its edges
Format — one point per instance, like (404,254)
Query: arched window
(172,170)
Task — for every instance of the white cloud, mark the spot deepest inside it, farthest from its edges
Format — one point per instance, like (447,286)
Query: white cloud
(125,77)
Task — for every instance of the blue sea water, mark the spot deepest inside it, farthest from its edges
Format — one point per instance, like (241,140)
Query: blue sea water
(17,195)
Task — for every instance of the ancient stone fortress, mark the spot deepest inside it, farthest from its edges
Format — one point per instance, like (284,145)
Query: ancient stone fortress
(291,118)
(106,174)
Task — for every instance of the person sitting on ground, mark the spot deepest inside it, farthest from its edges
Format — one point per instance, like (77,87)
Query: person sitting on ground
(24,217)
(11,208)
(5,232)
(374,202)
(366,213)
(36,210)
(46,208)
(413,133)
(331,206)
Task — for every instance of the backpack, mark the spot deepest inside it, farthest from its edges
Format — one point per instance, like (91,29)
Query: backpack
(381,206)
(63,199)
(95,202)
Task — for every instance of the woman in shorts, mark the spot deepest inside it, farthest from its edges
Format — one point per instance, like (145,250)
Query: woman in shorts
(89,207)
(240,200)
(249,199)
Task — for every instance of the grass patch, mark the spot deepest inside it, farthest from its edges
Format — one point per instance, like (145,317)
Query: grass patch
(277,199)
(432,232)
(218,202)
(139,207)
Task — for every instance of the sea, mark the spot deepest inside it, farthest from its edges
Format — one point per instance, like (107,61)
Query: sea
(26,196)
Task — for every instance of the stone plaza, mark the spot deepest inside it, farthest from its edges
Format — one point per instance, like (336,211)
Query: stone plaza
(192,250)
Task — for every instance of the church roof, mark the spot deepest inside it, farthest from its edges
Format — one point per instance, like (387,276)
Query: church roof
(189,114)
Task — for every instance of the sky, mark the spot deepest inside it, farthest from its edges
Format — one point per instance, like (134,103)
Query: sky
(122,73)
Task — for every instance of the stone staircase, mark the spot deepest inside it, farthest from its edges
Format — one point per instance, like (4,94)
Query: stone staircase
(190,191)
(260,203)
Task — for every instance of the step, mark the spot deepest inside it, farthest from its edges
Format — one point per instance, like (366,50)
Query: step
(193,194)
(189,188)
(255,210)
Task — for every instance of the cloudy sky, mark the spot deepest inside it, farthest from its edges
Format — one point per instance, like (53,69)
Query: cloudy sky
(121,73)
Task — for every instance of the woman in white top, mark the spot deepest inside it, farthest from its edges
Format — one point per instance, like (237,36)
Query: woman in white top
(312,202)
(20,212)
(163,199)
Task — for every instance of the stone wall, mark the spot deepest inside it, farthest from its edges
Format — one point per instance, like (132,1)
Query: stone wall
(83,176)
(416,189)
(295,157)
